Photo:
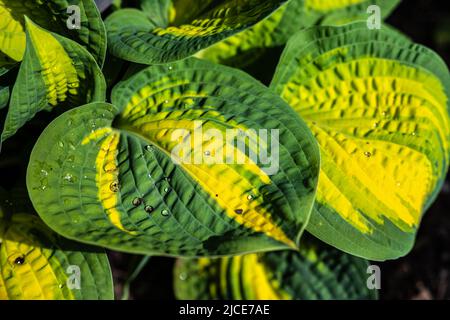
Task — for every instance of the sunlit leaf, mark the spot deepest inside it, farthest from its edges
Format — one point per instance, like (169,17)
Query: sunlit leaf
(55,73)
(340,12)
(246,47)
(36,263)
(53,15)
(113,179)
(378,106)
(171,30)
(316,272)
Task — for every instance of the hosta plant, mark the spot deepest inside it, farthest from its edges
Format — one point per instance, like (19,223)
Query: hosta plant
(359,118)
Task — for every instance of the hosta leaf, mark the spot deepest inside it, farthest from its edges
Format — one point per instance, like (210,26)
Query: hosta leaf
(316,272)
(245,47)
(55,73)
(112,179)
(339,12)
(52,15)
(35,263)
(378,106)
(170,31)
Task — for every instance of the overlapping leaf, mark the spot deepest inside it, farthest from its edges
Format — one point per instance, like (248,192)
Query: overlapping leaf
(55,73)
(378,106)
(171,30)
(52,15)
(35,263)
(316,272)
(113,176)
(340,12)
(247,46)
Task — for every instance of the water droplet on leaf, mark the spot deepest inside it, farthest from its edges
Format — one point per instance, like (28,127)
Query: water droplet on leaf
(239,211)
(368,154)
(114,186)
(137,202)
(110,167)
(183,276)
(149,209)
(19,260)
(149,148)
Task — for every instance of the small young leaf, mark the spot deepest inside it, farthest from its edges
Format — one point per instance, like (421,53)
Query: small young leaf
(53,15)
(55,73)
(316,272)
(378,106)
(170,31)
(113,179)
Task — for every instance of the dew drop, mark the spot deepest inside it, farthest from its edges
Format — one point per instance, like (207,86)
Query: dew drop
(61,286)
(69,122)
(239,211)
(44,184)
(149,147)
(375,124)
(250,197)
(207,153)
(61,144)
(19,260)
(166,101)
(166,189)
(414,133)
(44,173)
(137,202)
(109,167)
(148,209)
(114,186)
(170,68)
(368,154)
(183,276)
(68,177)
(165,212)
